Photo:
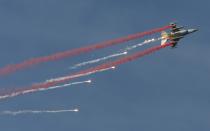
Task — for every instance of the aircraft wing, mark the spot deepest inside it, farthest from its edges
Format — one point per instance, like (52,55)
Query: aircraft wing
(176,40)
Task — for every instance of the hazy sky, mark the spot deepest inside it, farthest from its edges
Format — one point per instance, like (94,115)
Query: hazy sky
(165,91)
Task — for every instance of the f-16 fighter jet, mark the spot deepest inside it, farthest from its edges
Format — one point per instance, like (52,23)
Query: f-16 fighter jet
(176,34)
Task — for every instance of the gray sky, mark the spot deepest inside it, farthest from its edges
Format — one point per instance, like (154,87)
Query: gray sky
(165,91)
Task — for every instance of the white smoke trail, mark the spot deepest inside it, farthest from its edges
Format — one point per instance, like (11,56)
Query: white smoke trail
(143,43)
(22,92)
(37,112)
(124,52)
(99,59)
(79,75)
(41,89)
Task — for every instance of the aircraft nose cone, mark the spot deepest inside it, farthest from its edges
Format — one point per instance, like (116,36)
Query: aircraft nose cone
(192,30)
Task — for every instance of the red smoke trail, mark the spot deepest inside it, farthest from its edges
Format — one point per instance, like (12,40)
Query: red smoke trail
(15,67)
(100,67)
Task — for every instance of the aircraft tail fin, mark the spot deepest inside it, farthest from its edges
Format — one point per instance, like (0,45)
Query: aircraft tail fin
(164,36)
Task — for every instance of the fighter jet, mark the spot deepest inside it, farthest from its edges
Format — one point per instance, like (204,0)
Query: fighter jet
(176,34)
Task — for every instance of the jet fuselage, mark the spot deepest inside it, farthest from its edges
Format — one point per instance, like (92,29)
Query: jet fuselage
(181,33)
